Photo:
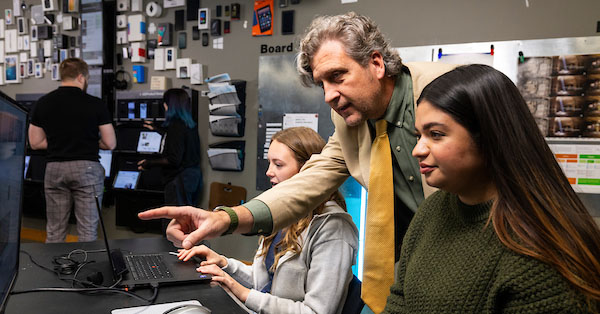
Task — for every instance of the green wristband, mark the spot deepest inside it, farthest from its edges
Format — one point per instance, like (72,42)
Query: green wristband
(232,215)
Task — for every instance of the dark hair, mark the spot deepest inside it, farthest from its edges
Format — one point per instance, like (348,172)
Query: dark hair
(536,212)
(70,69)
(178,101)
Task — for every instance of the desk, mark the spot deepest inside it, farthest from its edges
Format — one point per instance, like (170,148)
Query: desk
(31,276)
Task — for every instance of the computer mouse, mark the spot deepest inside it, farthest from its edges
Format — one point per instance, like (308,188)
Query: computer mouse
(189,309)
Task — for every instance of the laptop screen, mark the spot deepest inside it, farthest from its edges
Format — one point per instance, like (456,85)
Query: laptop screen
(126,180)
(149,142)
(13,121)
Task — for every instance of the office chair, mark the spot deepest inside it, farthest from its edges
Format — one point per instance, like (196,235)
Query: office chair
(354,304)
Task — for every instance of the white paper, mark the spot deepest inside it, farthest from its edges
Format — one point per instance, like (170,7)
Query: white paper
(136,25)
(159,59)
(170,57)
(183,67)
(218,78)
(224,158)
(223,109)
(173,3)
(138,52)
(33,49)
(122,21)
(218,43)
(310,120)
(10,41)
(122,5)
(220,88)
(122,37)
(47,48)
(196,74)
(153,309)
(16,8)
(2,51)
(136,5)
(468,58)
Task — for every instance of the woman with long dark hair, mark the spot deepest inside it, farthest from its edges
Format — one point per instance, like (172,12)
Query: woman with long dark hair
(180,160)
(506,233)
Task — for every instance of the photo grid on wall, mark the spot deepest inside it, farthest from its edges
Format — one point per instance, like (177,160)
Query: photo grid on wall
(563,94)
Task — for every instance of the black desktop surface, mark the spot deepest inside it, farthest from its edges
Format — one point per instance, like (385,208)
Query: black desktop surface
(31,276)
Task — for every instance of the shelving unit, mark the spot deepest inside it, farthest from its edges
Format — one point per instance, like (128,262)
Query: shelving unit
(132,109)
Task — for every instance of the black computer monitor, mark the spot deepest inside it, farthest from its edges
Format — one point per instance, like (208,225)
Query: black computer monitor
(13,121)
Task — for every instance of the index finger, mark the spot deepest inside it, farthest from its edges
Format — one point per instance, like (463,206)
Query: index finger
(161,212)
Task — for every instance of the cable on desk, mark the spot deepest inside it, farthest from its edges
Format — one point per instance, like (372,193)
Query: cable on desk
(94,288)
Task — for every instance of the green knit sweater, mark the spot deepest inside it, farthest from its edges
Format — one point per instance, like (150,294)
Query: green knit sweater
(452,263)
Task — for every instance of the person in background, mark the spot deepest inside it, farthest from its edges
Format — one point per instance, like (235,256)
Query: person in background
(506,233)
(304,268)
(72,125)
(180,160)
(372,94)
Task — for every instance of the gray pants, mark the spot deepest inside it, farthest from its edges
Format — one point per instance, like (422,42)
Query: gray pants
(67,183)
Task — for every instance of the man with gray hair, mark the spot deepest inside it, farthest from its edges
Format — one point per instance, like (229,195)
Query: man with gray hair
(372,95)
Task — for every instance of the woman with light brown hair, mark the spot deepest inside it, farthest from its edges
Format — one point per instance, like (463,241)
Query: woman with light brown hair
(305,268)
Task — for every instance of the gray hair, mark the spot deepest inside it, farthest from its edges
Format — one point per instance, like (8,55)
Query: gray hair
(357,33)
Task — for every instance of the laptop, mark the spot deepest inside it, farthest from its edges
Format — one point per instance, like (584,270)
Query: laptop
(13,122)
(126,179)
(150,269)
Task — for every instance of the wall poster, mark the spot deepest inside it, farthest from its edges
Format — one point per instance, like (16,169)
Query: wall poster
(563,93)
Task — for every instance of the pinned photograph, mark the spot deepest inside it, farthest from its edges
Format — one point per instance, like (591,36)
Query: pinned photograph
(26,42)
(38,70)
(34,33)
(22,25)
(11,40)
(11,69)
(23,69)
(47,65)
(30,67)
(64,54)
(8,16)
(55,74)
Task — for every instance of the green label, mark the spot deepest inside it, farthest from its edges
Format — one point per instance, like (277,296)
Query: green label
(584,181)
(589,156)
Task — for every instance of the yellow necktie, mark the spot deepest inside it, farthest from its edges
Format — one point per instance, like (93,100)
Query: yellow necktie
(378,271)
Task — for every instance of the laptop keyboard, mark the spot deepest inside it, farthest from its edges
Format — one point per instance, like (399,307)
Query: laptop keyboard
(147,267)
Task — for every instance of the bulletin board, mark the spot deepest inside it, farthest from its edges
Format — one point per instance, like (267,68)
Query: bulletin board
(279,93)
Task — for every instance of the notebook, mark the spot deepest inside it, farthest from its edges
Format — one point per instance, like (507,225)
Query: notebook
(126,179)
(153,268)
